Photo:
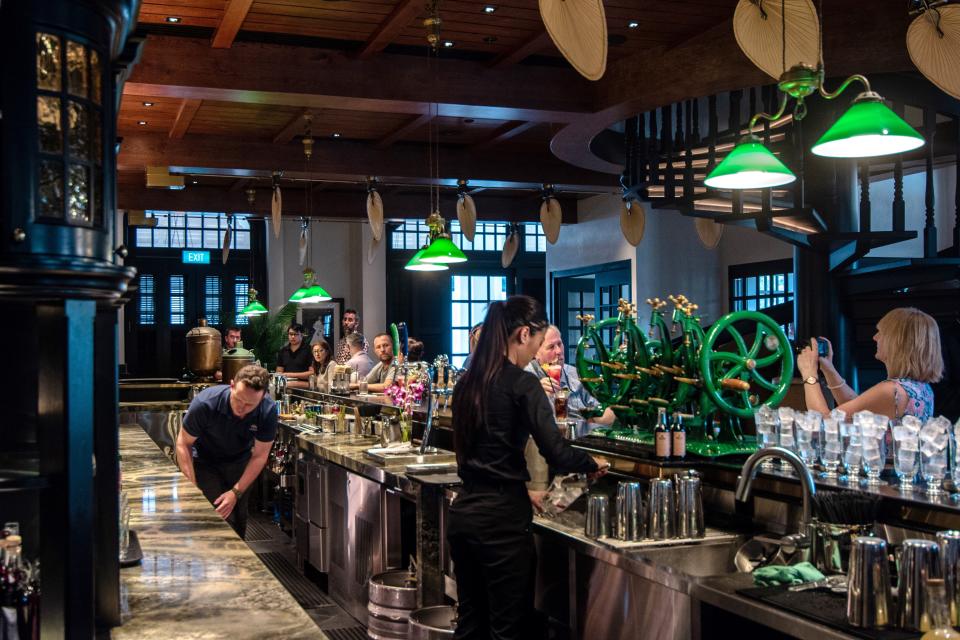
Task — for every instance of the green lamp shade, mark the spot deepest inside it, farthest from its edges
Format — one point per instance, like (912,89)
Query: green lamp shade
(316,293)
(298,295)
(868,129)
(442,251)
(415,263)
(750,165)
(254,308)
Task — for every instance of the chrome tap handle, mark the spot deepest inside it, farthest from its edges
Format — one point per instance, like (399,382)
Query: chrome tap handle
(425,440)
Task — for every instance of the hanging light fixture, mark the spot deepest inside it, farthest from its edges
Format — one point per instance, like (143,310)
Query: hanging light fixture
(310,291)
(254,307)
(867,129)
(440,250)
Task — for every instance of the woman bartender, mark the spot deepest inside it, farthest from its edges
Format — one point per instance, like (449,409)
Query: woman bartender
(908,345)
(498,406)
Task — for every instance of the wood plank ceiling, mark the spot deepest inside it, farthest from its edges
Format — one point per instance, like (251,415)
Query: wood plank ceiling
(220,117)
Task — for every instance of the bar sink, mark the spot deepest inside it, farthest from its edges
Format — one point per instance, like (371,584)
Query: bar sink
(388,457)
(698,560)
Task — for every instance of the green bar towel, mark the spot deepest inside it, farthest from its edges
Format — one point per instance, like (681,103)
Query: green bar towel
(778,575)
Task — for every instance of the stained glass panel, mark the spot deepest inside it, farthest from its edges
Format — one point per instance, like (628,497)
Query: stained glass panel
(50,201)
(79,194)
(98,196)
(95,71)
(77,82)
(96,136)
(78,133)
(48,121)
(48,62)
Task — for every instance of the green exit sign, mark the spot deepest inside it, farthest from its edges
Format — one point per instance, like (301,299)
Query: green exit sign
(195,257)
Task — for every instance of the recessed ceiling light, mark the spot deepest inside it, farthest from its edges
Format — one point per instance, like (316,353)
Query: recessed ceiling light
(633,24)
(174,19)
(489,8)
(194,182)
(142,122)
(336,135)
(148,104)
(448,43)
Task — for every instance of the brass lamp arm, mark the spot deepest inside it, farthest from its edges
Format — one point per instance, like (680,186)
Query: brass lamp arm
(767,116)
(830,95)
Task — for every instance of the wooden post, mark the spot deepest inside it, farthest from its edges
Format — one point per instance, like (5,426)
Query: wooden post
(688,156)
(712,132)
(654,149)
(666,140)
(899,207)
(734,126)
(930,223)
(864,175)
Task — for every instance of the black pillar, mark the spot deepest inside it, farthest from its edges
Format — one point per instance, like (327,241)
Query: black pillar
(59,283)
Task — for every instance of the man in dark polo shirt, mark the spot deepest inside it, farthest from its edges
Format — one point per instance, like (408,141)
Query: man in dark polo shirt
(232,429)
(294,359)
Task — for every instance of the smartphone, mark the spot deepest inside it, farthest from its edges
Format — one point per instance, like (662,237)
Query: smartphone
(823,348)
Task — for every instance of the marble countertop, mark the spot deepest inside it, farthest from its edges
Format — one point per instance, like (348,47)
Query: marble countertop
(198,579)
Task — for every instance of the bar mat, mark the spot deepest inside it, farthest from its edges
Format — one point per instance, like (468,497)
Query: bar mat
(303,590)
(825,607)
(350,633)
(257,531)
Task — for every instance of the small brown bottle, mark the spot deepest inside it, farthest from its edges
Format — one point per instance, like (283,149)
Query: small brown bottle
(679,438)
(661,435)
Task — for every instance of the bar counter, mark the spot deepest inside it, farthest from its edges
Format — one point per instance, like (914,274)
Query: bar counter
(198,579)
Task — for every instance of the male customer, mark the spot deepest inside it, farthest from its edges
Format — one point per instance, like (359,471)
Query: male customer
(384,372)
(351,324)
(294,360)
(232,429)
(359,361)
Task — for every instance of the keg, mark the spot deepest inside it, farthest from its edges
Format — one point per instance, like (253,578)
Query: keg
(393,595)
(433,623)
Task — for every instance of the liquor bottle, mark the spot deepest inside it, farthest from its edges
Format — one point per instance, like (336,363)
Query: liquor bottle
(661,435)
(679,438)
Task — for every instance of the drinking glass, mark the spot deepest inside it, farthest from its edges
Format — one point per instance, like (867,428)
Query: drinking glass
(560,403)
(853,451)
(766,421)
(906,456)
(831,447)
(874,440)
(934,441)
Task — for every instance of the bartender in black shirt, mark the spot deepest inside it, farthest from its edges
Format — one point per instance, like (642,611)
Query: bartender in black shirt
(497,406)
(232,429)
(294,360)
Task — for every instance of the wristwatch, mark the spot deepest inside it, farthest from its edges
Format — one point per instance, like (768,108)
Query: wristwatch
(810,380)
(236,491)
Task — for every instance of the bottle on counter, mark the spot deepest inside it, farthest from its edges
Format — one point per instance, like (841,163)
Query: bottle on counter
(678,438)
(938,612)
(661,435)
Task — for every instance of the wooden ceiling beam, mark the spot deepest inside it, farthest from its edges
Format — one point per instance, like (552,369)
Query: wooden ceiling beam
(536,44)
(233,16)
(504,132)
(283,75)
(330,204)
(352,161)
(188,109)
(295,127)
(390,28)
(404,130)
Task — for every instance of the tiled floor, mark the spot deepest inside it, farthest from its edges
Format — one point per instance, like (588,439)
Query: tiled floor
(276,551)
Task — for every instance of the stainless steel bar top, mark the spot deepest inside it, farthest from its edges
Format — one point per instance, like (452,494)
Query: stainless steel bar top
(198,579)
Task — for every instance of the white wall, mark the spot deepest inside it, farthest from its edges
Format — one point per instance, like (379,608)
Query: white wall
(670,258)
(338,254)
(914,189)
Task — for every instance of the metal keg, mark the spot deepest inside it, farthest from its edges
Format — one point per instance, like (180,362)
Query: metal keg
(433,623)
(203,349)
(393,596)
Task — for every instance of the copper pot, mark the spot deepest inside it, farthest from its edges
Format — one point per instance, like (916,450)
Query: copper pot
(203,350)
(234,360)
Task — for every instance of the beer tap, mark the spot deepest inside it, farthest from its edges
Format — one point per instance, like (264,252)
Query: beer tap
(431,407)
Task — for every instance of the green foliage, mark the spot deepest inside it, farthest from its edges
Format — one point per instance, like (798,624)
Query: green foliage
(266,334)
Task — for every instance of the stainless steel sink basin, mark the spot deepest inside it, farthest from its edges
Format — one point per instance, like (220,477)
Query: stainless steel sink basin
(404,458)
(696,560)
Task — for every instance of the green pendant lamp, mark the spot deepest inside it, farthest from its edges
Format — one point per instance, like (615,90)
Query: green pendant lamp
(443,251)
(750,165)
(310,291)
(416,264)
(868,129)
(316,293)
(254,307)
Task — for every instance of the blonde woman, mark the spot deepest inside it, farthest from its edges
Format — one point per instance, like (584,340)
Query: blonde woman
(908,344)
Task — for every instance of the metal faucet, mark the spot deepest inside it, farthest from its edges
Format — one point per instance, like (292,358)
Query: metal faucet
(431,406)
(749,472)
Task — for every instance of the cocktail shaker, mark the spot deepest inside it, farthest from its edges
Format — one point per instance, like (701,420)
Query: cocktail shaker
(629,523)
(868,584)
(949,542)
(919,560)
(689,507)
(598,516)
(660,510)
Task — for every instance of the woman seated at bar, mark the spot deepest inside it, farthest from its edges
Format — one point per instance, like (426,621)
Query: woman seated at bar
(322,359)
(908,344)
(497,406)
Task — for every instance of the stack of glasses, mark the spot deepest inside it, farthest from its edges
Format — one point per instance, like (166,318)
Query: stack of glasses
(934,442)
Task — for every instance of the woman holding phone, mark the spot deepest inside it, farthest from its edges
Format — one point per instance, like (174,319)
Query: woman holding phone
(908,344)
(497,407)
